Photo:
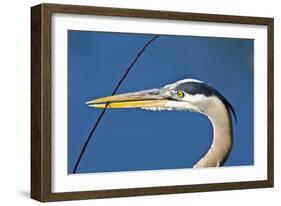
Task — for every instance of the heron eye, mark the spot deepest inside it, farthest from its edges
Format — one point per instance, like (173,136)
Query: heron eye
(180,94)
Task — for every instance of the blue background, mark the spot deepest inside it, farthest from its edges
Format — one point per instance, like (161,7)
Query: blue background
(133,139)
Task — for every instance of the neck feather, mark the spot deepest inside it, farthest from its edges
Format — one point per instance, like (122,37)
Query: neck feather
(222,131)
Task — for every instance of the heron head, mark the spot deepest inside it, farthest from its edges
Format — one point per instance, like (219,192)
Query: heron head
(187,94)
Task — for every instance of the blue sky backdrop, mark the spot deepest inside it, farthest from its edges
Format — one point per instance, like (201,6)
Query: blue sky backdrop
(133,139)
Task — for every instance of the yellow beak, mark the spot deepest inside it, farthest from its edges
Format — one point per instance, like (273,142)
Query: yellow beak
(145,98)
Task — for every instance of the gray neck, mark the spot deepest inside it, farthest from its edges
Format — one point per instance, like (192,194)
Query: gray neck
(222,130)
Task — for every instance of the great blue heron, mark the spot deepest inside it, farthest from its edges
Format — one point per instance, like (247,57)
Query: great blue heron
(184,95)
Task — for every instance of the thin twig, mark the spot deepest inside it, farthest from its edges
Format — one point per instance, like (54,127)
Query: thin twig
(103,111)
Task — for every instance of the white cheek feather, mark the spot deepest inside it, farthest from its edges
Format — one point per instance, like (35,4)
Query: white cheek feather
(200,100)
(175,106)
(182,106)
(157,108)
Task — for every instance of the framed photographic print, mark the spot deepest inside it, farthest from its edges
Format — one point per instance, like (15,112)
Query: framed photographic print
(132,102)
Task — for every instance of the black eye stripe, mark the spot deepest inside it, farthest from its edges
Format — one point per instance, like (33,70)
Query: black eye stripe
(203,88)
(196,88)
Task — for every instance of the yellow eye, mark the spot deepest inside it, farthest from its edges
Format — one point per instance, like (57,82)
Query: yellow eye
(180,94)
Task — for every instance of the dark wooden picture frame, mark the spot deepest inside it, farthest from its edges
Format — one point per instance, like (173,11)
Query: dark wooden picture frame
(41,171)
